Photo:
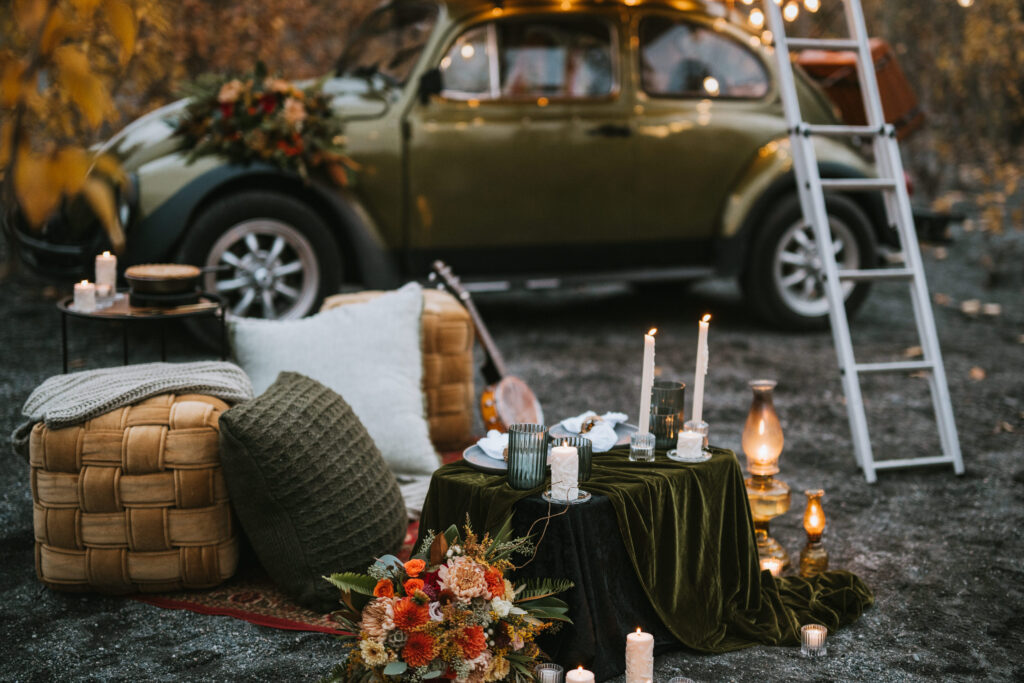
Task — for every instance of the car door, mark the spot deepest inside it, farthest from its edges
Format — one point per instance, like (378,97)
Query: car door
(704,108)
(525,154)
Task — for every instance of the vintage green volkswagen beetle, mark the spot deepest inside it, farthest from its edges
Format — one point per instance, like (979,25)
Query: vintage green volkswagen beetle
(523,142)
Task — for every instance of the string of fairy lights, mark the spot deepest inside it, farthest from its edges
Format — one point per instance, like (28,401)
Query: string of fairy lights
(791,9)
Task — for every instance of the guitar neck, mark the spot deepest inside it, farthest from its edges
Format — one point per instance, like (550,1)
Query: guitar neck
(494,369)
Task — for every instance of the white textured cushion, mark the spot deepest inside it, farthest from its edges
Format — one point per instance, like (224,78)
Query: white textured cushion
(369,353)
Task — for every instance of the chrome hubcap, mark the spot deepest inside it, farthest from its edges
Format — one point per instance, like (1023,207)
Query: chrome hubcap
(266,269)
(798,270)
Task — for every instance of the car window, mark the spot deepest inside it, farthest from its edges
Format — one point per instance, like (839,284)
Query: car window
(389,42)
(680,59)
(530,58)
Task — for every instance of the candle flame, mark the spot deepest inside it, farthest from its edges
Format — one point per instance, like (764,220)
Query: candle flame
(706,318)
(565,442)
(653,331)
(85,282)
(638,629)
(106,253)
(579,668)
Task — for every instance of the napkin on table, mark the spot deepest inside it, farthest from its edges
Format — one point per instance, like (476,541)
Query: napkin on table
(602,436)
(494,444)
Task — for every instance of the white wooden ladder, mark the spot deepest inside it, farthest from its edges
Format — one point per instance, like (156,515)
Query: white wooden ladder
(890,182)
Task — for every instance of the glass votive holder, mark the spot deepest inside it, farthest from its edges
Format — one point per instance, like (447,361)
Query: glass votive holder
(549,673)
(812,640)
(681,679)
(527,455)
(691,444)
(641,447)
(584,451)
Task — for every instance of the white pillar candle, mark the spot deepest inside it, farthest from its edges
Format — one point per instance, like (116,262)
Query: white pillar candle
(647,383)
(565,465)
(702,370)
(689,445)
(579,675)
(639,657)
(85,296)
(106,271)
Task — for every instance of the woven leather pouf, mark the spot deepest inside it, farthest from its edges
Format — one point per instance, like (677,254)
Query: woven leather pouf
(134,500)
(447,346)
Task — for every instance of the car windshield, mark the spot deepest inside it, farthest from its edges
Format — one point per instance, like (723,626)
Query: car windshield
(389,42)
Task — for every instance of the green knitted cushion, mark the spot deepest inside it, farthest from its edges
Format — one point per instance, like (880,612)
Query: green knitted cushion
(309,486)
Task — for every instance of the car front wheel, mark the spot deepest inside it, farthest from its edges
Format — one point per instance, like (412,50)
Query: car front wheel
(784,280)
(267,255)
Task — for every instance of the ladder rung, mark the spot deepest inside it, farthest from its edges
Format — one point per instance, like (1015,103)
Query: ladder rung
(823,43)
(913,462)
(840,131)
(877,274)
(858,184)
(896,366)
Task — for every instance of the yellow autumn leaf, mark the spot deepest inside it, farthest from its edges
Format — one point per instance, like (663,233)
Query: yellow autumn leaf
(85,7)
(10,82)
(29,14)
(101,199)
(71,167)
(84,88)
(55,32)
(123,25)
(37,195)
(110,167)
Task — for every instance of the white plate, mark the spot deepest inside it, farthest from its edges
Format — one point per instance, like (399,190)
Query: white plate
(475,457)
(622,430)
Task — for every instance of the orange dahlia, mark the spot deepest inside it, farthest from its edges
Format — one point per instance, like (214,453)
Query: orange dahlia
(412,585)
(419,650)
(384,589)
(471,641)
(409,615)
(495,583)
(414,567)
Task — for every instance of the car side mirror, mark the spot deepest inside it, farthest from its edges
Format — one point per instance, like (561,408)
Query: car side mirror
(430,85)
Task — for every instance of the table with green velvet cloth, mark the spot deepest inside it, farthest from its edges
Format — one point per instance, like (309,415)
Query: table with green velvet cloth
(683,564)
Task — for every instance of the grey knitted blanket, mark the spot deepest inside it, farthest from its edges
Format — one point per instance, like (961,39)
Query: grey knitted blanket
(65,400)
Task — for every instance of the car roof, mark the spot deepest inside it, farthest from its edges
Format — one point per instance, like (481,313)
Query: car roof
(460,8)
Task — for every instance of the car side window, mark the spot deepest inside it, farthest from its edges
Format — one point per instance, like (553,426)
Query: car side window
(555,58)
(680,59)
(530,58)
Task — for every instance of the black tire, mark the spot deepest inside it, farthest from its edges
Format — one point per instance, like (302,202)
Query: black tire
(769,271)
(290,238)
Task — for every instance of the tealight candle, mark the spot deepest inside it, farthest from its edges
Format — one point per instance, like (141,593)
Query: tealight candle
(579,675)
(689,445)
(85,296)
(639,657)
(106,272)
(772,564)
(812,638)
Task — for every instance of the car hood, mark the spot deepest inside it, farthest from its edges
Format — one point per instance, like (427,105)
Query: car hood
(151,136)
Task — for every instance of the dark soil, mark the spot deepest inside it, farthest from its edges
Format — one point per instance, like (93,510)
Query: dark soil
(944,554)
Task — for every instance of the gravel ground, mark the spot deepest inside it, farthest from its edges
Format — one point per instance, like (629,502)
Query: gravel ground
(944,554)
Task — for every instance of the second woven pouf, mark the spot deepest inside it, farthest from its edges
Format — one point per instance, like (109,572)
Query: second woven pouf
(309,486)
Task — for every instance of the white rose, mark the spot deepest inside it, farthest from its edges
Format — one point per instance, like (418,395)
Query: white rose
(435,612)
(501,607)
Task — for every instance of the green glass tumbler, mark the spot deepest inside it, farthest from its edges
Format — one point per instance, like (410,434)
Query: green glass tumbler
(527,455)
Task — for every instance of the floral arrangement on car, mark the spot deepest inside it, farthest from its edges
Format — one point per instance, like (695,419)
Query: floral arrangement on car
(258,118)
(447,613)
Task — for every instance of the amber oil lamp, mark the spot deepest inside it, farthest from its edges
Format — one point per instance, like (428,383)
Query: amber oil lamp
(769,497)
(814,557)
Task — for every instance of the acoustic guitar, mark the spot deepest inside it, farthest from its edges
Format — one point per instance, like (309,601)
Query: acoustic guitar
(506,400)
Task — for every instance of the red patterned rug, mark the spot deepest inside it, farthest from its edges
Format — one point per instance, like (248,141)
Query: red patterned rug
(252,596)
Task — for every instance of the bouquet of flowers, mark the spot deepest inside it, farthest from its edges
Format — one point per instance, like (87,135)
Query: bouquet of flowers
(260,118)
(447,613)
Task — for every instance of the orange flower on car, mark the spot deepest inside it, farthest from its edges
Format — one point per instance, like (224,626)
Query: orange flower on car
(471,641)
(230,91)
(412,585)
(384,589)
(294,111)
(414,567)
(495,582)
(409,615)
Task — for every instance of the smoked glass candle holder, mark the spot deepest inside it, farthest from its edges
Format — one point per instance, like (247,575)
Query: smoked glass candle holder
(812,640)
(527,455)
(667,400)
(549,673)
(584,451)
(641,447)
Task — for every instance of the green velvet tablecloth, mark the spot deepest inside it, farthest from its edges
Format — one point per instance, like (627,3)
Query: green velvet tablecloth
(688,532)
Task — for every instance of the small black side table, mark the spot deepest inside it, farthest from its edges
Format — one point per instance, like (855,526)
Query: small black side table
(122,311)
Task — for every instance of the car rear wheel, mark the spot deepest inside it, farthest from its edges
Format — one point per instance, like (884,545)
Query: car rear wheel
(268,254)
(784,281)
